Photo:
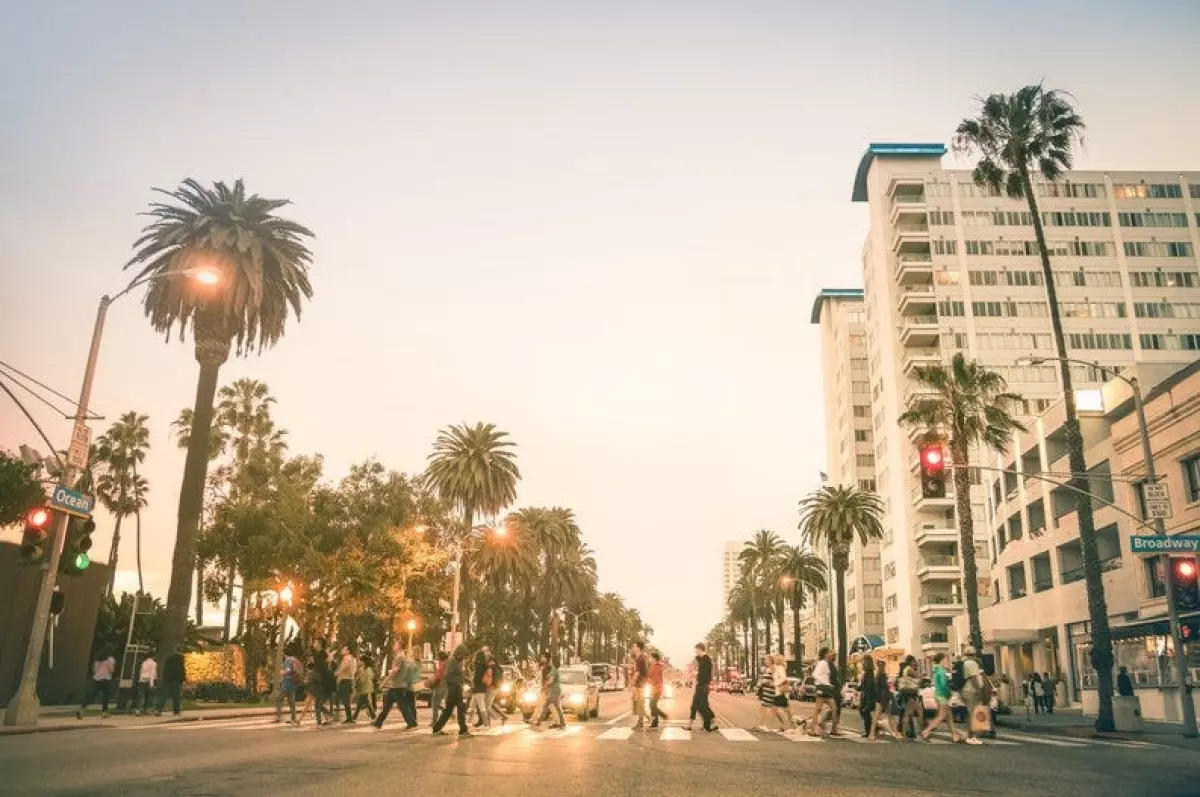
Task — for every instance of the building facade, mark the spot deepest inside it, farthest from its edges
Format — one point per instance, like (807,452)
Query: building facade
(731,570)
(950,267)
(1040,621)
(850,454)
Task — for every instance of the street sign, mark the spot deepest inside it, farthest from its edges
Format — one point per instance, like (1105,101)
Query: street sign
(73,502)
(1158,510)
(1155,492)
(1154,544)
(81,441)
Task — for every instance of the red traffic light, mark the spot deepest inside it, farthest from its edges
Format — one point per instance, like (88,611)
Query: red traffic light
(932,459)
(38,518)
(1185,569)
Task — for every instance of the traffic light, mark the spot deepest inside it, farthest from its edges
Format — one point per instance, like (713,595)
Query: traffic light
(933,471)
(75,558)
(1187,585)
(37,535)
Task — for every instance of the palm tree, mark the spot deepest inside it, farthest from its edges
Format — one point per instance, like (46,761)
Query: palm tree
(473,470)
(263,262)
(971,404)
(760,558)
(118,485)
(1036,130)
(744,611)
(835,516)
(218,439)
(803,577)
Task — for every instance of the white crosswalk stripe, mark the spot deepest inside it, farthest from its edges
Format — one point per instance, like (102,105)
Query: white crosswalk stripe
(617,734)
(737,735)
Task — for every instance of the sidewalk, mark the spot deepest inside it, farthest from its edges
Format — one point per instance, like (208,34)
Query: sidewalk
(62,718)
(1071,722)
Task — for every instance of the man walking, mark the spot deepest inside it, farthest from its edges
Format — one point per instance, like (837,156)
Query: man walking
(346,670)
(1050,685)
(497,673)
(552,692)
(638,672)
(102,673)
(480,685)
(656,679)
(393,689)
(288,676)
(174,676)
(411,676)
(437,685)
(147,680)
(704,672)
(454,694)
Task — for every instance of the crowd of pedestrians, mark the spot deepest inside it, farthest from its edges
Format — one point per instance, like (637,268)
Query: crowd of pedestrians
(154,686)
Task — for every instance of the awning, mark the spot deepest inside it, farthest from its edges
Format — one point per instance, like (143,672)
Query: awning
(1011,636)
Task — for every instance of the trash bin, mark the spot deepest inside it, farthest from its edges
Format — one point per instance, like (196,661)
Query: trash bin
(1127,713)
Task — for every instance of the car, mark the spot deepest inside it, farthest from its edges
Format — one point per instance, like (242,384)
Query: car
(737,688)
(808,689)
(850,695)
(425,695)
(580,692)
(793,688)
(508,695)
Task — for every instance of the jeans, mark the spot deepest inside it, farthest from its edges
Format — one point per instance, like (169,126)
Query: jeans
(656,713)
(104,688)
(364,702)
(402,699)
(479,702)
(454,703)
(408,707)
(553,701)
(639,706)
(288,694)
(345,689)
(145,691)
(172,691)
(492,707)
(437,699)
(700,706)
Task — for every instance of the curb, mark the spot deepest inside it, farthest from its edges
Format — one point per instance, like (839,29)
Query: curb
(84,726)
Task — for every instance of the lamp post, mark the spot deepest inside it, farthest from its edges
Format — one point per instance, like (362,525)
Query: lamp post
(282,603)
(411,626)
(24,706)
(1181,668)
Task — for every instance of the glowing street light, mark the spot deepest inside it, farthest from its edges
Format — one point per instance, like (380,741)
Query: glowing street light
(285,594)
(411,625)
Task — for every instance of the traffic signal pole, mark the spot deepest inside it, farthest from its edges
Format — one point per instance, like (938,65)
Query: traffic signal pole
(1187,706)
(24,707)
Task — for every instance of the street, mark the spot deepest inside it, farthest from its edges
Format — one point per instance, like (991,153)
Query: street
(599,757)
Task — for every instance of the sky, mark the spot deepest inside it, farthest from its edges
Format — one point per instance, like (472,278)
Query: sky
(599,226)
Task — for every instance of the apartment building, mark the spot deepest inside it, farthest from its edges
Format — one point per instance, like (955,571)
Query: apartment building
(948,266)
(849,448)
(731,570)
(1040,621)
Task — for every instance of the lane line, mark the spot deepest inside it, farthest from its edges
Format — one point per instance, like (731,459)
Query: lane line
(618,718)
(673,734)
(1039,740)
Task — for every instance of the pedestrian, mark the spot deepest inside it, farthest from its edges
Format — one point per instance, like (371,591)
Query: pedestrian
(867,697)
(765,691)
(174,676)
(552,692)
(289,676)
(1124,682)
(656,679)
(822,675)
(147,681)
(1038,691)
(481,676)
(364,688)
(493,692)
(454,679)
(941,693)
(347,668)
(1049,687)
(638,672)
(908,691)
(704,673)
(393,687)
(408,691)
(779,683)
(103,666)
(835,680)
(976,691)
(317,688)
(883,705)
(437,685)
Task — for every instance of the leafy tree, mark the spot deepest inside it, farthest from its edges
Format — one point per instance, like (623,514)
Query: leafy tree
(835,516)
(20,490)
(1035,131)
(262,262)
(974,408)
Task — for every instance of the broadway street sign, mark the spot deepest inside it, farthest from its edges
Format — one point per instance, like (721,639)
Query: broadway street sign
(1156,544)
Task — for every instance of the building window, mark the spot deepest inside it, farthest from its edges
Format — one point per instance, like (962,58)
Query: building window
(1158,249)
(1152,219)
(849,594)
(889,571)
(865,460)
(1191,477)
(1156,584)
(862,436)
(1144,191)
(861,411)
(890,604)
(1163,279)
(866,485)
(893,635)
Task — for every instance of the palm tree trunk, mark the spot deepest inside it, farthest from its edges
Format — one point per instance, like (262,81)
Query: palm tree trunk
(840,560)
(112,554)
(229,603)
(138,547)
(211,353)
(1102,651)
(966,540)
(242,603)
(797,648)
(767,627)
(199,592)
(754,642)
(779,628)
(745,648)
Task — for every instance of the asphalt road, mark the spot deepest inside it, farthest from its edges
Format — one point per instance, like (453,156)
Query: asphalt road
(601,757)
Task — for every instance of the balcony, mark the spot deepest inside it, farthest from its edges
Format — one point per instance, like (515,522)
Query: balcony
(911,238)
(933,533)
(907,209)
(915,394)
(939,605)
(919,331)
(938,567)
(917,299)
(916,433)
(923,504)
(914,268)
(934,641)
(931,355)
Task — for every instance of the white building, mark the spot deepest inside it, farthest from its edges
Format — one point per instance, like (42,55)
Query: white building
(731,570)
(947,267)
(1041,621)
(850,456)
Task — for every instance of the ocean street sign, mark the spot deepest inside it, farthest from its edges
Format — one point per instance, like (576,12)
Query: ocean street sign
(1154,544)
(73,502)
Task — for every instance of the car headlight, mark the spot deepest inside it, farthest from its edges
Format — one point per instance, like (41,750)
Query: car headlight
(505,688)
(530,696)
(576,699)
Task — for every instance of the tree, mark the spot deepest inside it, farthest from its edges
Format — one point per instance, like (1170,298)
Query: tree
(118,486)
(835,516)
(262,262)
(217,439)
(760,558)
(971,404)
(20,490)
(1035,131)
(803,577)
(473,470)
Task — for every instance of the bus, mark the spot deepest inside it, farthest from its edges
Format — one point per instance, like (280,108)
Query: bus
(612,677)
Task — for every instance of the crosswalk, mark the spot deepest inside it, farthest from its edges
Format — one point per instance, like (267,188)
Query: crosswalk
(673,732)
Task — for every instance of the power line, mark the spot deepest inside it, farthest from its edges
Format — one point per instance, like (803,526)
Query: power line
(91,415)
(34,393)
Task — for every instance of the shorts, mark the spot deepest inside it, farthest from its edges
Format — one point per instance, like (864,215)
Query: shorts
(941,701)
(824,690)
(780,701)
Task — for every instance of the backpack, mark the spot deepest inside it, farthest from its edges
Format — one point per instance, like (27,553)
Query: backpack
(957,679)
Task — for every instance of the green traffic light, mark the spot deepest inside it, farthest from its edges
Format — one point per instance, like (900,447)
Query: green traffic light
(82,561)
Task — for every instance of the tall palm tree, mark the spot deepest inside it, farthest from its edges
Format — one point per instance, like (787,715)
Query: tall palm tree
(1035,131)
(218,439)
(262,261)
(122,491)
(804,576)
(472,469)
(974,408)
(743,610)
(835,516)
(760,557)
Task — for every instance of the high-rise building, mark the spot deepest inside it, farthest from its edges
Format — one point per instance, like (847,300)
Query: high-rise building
(731,570)
(850,453)
(949,266)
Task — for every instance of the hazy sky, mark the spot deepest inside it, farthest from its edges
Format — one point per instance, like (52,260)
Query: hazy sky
(599,226)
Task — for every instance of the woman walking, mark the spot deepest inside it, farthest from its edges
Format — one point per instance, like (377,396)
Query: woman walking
(779,683)
(883,704)
(364,688)
(866,695)
(908,685)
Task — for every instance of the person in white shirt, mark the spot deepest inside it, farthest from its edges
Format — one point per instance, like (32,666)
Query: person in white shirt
(102,673)
(146,684)
(822,677)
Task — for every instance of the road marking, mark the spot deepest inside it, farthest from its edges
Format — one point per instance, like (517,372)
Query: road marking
(737,735)
(1001,742)
(618,718)
(672,734)
(616,734)
(1049,742)
(218,725)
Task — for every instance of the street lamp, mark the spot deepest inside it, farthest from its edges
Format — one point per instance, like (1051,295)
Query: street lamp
(24,706)
(1160,529)
(284,602)
(411,625)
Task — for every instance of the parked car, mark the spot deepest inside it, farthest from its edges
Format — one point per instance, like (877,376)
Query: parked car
(737,688)
(850,695)
(808,689)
